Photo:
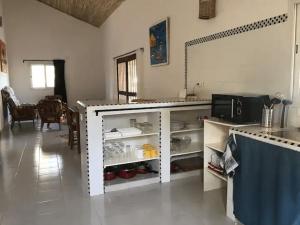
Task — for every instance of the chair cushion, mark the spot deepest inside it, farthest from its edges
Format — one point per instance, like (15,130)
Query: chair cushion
(12,95)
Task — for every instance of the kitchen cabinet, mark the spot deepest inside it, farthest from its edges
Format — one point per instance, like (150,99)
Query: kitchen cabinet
(216,133)
(100,122)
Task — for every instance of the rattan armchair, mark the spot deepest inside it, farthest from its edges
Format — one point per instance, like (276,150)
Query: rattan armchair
(19,112)
(50,111)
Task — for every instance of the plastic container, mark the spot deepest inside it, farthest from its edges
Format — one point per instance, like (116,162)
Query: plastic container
(139,152)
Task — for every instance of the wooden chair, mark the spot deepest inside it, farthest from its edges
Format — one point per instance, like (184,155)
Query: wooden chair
(50,111)
(74,127)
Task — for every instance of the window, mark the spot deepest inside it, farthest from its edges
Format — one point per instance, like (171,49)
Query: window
(127,78)
(42,76)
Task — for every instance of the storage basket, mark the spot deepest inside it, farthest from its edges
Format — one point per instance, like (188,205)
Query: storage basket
(207,9)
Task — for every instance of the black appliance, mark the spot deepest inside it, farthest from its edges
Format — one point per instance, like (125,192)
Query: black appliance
(238,108)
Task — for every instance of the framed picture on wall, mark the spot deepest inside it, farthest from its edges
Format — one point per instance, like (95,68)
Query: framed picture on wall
(159,43)
(3,57)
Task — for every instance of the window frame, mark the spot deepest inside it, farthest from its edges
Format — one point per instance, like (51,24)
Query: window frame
(45,76)
(125,59)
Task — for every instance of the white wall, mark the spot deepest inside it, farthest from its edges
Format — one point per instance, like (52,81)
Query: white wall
(250,62)
(4,79)
(36,31)
(127,29)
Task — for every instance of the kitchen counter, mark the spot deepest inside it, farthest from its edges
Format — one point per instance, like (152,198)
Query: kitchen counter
(268,158)
(291,139)
(98,117)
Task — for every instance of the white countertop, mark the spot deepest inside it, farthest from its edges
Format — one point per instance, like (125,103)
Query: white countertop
(115,104)
(265,135)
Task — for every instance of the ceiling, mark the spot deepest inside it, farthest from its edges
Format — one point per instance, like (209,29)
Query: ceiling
(94,12)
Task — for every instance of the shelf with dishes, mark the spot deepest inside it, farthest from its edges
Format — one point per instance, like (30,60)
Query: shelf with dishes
(186,151)
(131,126)
(216,172)
(119,153)
(214,165)
(119,137)
(186,130)
(130,175)
(179,126)
(131,150)
(125,160)
(216,134)
(183,168)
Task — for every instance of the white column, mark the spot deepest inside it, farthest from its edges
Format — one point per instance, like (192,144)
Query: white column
(95,153)
(165,146)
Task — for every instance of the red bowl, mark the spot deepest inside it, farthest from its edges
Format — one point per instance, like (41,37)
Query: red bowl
(141,171)
(110,176)
(127,174)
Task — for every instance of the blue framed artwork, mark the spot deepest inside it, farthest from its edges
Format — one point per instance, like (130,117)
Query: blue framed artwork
(159,43)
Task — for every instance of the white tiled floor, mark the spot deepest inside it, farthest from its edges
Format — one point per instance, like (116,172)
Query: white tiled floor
(40,184)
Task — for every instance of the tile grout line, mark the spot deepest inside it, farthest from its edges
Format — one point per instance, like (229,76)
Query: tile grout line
(18,167)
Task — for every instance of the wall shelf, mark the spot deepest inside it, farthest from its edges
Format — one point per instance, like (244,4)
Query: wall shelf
(133,136)
(217,174)
(137,181)
(186,130)
(195,147)
(126,160)
(220,147)
(180,175)
(187,156)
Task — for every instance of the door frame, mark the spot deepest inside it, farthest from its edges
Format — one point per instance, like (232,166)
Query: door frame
(292,21)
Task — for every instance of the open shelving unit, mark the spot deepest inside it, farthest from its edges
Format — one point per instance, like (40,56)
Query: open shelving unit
(191,154)
(216,132)
(152,137)
(115,153)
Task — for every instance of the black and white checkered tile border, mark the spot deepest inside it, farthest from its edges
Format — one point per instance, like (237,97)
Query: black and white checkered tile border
(234,31)
(266,136)
(87,152)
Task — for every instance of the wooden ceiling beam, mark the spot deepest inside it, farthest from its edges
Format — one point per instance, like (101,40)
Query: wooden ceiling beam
(94,12)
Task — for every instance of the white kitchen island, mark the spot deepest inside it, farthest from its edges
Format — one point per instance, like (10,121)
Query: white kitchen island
(96,117)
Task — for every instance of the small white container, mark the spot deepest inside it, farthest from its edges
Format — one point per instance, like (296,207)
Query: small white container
(139,153)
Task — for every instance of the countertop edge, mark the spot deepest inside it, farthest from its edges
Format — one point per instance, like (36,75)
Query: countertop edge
(116,106)
(267,138)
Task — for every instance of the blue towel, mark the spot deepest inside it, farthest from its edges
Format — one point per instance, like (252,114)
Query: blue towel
(266,185)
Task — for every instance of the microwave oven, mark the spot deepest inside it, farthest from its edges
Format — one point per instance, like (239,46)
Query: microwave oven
(238,108)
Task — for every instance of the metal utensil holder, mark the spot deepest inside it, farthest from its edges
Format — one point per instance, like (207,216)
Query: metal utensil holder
(267,118)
